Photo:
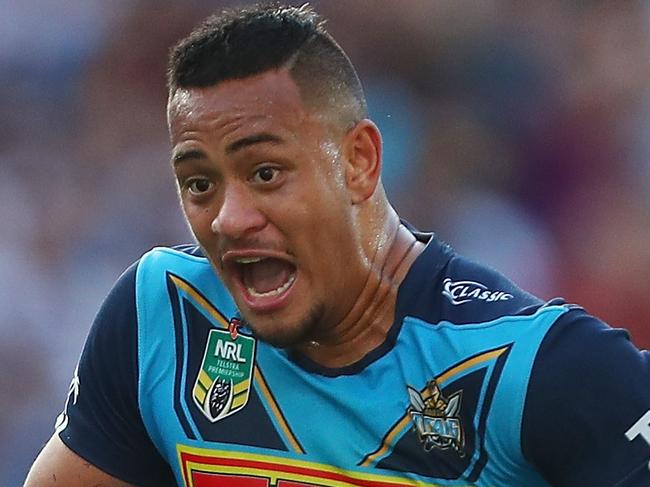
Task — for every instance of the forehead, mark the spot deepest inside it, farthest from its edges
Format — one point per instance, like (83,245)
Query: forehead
(271,97)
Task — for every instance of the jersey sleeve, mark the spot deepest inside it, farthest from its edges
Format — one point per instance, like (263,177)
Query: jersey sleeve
(587,413)
(101,421)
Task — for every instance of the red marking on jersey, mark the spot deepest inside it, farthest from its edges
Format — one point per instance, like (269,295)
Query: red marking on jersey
(226,469)
(233,328)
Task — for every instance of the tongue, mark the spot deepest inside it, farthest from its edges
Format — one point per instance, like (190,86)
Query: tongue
(266,275)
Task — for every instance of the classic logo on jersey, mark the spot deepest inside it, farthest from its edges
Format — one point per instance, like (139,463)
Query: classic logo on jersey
(436,418)
(459,292)
(223,383)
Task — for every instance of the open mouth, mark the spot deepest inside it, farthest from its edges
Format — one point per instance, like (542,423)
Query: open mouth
(265,280)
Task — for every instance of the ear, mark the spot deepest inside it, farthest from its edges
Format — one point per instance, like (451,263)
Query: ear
(363,160)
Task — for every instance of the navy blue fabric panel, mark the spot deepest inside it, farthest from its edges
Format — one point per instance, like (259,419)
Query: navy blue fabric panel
(639,477)
(104,424)
(178,332)
(419,293)
(443,286)
(588,386)
(474,293)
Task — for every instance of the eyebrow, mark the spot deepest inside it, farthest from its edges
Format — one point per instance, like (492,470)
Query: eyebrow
(231,148)
(263,137)
(185,155)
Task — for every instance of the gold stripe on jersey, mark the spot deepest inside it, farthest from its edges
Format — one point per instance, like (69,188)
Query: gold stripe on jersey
(405,421)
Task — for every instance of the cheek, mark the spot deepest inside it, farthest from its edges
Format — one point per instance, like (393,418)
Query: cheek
(199,220)
(316,203)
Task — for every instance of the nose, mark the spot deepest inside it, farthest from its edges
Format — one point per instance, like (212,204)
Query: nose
(239,215)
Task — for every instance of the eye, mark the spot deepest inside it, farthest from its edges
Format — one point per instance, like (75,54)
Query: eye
(265,174)
(198,186)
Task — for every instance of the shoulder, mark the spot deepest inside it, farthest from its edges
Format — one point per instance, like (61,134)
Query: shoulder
(588,387)
(160,264)
(102,421)
(122,297)
(473,290)
(444,286)
(581,356)
(186,254)
(166,271)
(117,319)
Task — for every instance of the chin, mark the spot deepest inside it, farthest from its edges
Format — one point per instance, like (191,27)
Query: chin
(282,334)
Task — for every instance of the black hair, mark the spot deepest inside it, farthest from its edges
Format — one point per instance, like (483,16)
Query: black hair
(240,43)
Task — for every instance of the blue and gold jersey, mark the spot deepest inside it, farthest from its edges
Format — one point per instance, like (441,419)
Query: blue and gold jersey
(477,384)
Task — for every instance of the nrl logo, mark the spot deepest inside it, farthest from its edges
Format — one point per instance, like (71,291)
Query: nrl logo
(224,380)
(436,419)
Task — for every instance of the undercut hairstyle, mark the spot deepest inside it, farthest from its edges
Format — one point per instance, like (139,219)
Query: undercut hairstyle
(240,43)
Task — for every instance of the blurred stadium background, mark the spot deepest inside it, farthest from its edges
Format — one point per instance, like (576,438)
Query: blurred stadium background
(518,130)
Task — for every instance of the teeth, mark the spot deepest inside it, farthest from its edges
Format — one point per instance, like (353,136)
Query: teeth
(273,292)
(248,260)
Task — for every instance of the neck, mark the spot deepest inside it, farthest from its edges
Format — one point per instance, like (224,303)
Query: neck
(366,325)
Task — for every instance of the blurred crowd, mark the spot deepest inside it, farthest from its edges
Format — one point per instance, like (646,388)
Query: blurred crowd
(519,131)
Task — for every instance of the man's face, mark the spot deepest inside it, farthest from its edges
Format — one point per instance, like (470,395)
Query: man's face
(262,184)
